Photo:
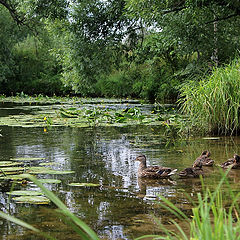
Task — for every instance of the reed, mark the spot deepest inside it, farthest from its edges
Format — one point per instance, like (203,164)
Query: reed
(210,219)
(212,105)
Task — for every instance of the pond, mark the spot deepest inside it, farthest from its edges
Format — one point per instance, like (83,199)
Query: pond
(121,206)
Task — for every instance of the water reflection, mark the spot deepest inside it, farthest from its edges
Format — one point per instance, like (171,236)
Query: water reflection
(121,206)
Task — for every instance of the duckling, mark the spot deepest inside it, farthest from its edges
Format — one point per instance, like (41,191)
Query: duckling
(232,162)
(191,172)
(204,159)
(153,172)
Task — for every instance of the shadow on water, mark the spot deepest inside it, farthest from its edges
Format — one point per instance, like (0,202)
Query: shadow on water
(123,206)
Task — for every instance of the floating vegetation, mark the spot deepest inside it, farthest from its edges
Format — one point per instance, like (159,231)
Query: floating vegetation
(47,163)
(25,193)
(15,177)
(12,169)
(74,114)
(49,180)
(75,184)
(43,170)
(28,159)
(10,163)
(32,199)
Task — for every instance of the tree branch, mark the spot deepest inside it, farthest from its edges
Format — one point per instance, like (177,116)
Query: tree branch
(19,20)
(223,18)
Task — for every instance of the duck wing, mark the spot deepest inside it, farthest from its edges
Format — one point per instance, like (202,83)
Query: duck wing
(207,162)
(191,172)
(158,172)
(228,163)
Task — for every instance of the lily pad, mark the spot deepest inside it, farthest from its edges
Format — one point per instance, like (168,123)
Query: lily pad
(84,184)
(29,159)
(15,177)
(47,163)
(49,180)
(9,163)
(11,169)
(32,199)
(43,170)
(25,193)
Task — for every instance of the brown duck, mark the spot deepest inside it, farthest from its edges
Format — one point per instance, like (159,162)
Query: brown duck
(194,171)
(191,172)
(204,159)
(232,162)
(153,172)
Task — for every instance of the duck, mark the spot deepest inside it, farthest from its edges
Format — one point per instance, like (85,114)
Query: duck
(233,163)
(204,159)
(192,172)
(153,172)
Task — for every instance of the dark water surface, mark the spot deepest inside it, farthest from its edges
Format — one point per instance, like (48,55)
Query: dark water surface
(123,206)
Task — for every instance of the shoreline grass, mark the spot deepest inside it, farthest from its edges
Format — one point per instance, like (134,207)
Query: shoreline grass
(213,104)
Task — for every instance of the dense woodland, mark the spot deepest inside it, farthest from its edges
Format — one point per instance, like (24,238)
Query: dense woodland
(115,48)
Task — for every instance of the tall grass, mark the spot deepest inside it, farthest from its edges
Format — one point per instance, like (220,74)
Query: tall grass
(210,220)
(213,104)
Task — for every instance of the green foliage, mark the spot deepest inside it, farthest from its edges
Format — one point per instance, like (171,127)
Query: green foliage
(213,103)
(144,81)
(7,41)
(102,115)
(190,27)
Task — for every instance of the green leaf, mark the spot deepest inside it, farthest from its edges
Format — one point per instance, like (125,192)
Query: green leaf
(25,193)
(75,184)
(32,199)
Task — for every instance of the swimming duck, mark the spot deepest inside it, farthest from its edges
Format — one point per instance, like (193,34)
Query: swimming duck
(153,172)
(191,172)
(232,162)
(203,159)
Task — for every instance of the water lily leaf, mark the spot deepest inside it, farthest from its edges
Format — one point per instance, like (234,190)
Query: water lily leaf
(14,177)
(84,184)
(43,170)
(32,199)
(11,169)
(49,180)
(25,193)
(29,159)
(47,163)
(9,163)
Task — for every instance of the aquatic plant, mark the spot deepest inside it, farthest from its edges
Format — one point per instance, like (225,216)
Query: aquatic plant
(213,103)
(210,220)
(80,227)
(103,115)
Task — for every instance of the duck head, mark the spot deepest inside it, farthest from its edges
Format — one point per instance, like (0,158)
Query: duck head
(141,158)
(206,153)
(236,158)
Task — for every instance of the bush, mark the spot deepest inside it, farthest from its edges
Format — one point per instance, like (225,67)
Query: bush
(145,81)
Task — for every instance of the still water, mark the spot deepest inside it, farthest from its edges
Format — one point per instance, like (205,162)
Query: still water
(123,207)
